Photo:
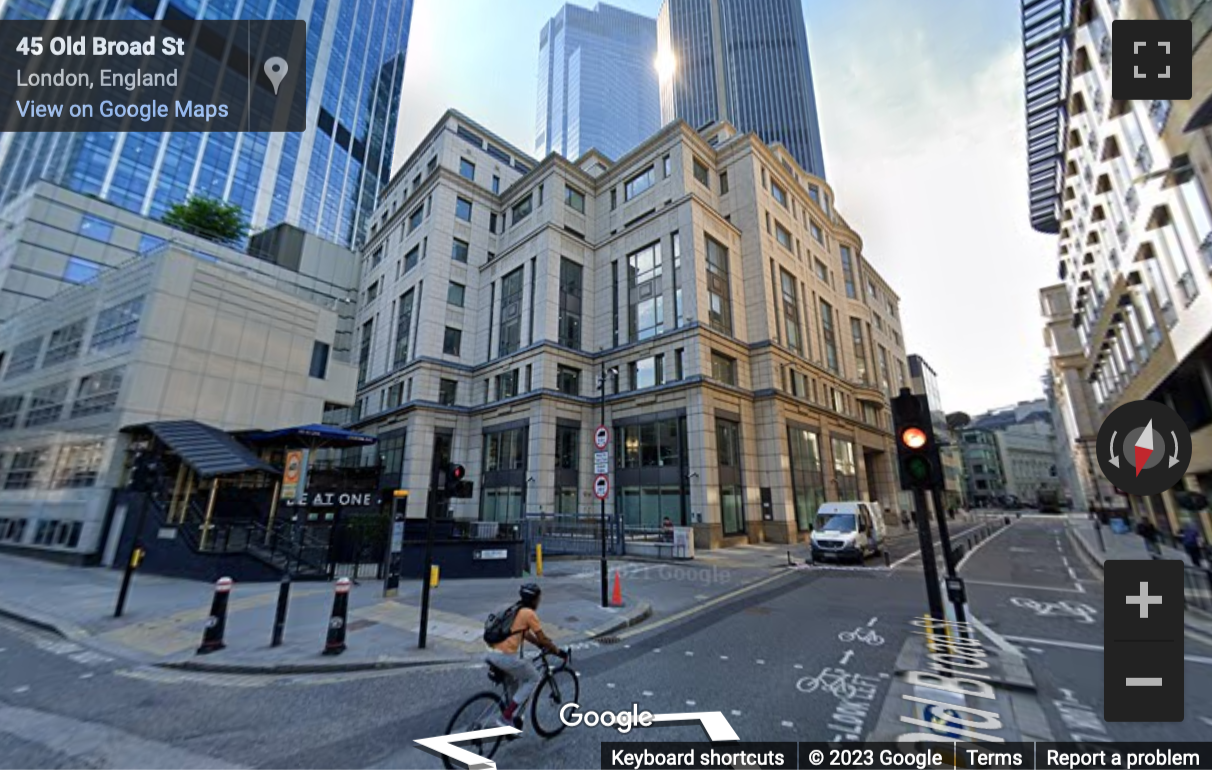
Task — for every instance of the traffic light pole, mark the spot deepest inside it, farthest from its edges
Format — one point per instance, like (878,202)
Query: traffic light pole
(933,595)
(944,538)
(428,567)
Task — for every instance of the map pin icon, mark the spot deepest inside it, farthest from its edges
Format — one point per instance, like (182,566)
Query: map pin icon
(276,69)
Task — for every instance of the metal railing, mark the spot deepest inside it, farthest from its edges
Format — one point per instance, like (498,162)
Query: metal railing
(572,534)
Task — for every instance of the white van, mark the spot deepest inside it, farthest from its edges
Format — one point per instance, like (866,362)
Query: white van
(852,529)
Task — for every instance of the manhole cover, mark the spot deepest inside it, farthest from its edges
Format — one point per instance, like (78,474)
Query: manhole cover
(358,625)
(608,640)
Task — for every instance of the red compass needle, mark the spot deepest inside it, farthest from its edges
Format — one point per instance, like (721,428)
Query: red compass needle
(1144,447)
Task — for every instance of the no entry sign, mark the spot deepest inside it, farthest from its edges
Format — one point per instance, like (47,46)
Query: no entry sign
(601,437)
(601,487)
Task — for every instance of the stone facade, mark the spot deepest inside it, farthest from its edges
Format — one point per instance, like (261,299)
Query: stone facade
(694,273)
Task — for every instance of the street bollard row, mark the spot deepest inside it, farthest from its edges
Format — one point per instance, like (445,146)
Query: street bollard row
(216,623)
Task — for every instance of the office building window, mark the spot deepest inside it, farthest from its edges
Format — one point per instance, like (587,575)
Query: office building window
(319,360)
(459,250)
(492,222)
(522,209)
(46,404)
(822,270)
(779,193)
(666,166)
(782,236)
(645,292)
(463,209)
(571,275)
(456,293)
(452,341)
(701,173)
(467,169)
(24,469)
(679,364)
(678,315)
(10,408)
(511,313)
(448,391)
(395,395)
(817,234)
(719,296)
(848,272)
(845,470)
(412,258)
(496,185)
(647,372)
(78,465)
(651,470)
(900,370)
(574,199)
(24,358)
(568,447)
(432,165)
(807,476)
(885,381)
(791,312)
(723,183)
(830,337)
(639,183)
(368,333)
(403,329)
(568,380)
(117,324)
(81,270)
(723,368)
(732,493)
(64,343)
(96,228)
(415,218)
(504,475)
(507,384)
(372,292)
(98,392)
(614,199)
(860,349)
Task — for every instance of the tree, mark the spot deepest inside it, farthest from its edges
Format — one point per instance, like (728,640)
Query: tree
(957,420)
(209,218)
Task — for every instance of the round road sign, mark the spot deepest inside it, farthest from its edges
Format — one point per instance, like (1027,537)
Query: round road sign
(601,437)
(601,487)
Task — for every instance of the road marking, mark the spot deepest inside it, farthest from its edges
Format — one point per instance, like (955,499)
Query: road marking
(979,546)
(871,622)
(1073,574)
(1065,561)
(1091,647)
(788,724)
(86,676)
(689,703)
(610,685)
(760,662)
(656,649)
(1034,649)
(723,657)
(937,543)
(737,713)
(1206,720)
(798,665)
(689,653)
(1022,586)
(846,658)
(21,689)
(646,627)
(647,693)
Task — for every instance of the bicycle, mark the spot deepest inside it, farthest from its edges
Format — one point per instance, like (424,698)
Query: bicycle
(557,686)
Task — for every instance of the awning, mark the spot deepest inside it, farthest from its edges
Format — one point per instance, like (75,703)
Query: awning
(208,450)
(314,436)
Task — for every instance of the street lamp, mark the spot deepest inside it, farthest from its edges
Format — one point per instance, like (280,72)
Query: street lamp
(614,370)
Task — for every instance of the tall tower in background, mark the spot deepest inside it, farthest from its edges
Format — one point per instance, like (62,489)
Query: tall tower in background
(744,61)
(325,180)
(597,82)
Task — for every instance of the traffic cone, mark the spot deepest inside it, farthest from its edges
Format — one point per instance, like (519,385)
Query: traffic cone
(616,597)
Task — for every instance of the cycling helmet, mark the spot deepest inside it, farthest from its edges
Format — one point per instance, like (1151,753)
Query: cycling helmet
(530,592)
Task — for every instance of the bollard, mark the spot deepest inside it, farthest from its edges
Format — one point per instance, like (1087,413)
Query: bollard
(434,571)
(538,559)
(1102,547)
(212,637)
(280,613)
(887,558)
(335,644)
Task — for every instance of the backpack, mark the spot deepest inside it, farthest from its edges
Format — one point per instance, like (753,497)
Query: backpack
(499,625)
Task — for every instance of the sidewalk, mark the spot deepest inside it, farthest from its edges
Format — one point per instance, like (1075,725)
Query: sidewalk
(1128,545)
(165,617)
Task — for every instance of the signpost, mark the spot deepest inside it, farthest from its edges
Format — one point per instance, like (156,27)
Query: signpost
(601,487)
(601,463)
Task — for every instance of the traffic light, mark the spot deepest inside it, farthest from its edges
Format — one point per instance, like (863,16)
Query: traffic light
(457,484)
(917,453)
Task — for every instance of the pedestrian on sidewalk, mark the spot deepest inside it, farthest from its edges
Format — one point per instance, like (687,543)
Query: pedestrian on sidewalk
(905,520)
(1148,533)
(1192,544)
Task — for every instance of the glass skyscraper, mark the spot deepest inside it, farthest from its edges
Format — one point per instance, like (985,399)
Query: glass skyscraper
(597,82)
(324,180)
(744,61)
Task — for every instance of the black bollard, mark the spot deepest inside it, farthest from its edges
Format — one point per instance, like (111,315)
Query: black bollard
(335,645)
(887,558)
(280,613)
(1102,547)
(212,637)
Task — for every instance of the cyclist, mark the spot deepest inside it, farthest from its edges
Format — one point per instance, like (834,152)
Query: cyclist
(508,655)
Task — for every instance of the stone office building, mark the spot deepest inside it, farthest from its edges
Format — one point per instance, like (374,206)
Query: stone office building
(748,348)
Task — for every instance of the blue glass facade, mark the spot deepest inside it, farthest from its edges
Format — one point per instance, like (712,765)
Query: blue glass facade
(597,82)
(325,180)
(744,61)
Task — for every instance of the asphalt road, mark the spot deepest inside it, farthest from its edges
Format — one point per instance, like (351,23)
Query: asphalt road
(776,661)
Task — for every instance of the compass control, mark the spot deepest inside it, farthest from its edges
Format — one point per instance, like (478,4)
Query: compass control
(1144,448)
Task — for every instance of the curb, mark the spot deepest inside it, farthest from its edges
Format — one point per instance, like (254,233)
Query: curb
(303,668)
(36,619)
(645,612)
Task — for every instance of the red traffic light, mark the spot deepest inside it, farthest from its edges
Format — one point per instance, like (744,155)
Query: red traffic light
(458,472)
(914,438)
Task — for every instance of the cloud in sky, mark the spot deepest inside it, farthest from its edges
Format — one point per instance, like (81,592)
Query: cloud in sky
(922,119)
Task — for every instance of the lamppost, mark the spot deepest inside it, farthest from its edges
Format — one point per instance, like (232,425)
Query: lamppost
(602,404)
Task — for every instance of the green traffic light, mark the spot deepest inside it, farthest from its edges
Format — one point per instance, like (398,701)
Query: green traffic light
(918,467)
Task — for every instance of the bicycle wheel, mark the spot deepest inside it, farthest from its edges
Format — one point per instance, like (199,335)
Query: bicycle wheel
(560,687)
(479,712)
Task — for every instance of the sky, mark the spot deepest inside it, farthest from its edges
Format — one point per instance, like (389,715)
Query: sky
(921,112)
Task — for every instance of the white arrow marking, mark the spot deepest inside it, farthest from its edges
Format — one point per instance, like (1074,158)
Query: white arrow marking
(714,722)
(846,657)
(443,744)
(1114,456)
(871,622)
(1174,458)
